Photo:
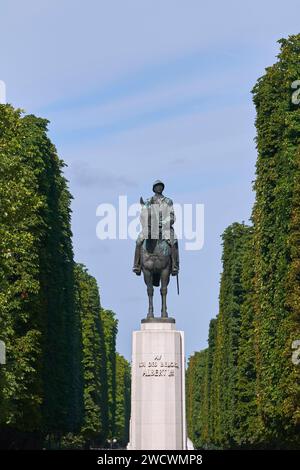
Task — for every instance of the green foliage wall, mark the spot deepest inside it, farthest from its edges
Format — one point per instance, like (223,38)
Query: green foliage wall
(94,363)
(38,319)
(123,385)
(253,390)
(195,383)
(110,327)
(60,378)
(276,246)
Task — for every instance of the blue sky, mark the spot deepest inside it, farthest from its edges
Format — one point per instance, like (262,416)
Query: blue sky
(138,90)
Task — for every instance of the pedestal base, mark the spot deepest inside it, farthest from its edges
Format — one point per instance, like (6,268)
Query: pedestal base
(158,418)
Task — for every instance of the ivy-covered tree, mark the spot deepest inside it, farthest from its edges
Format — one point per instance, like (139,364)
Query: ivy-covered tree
(222,373)
(246,426)
(21,232)
(123,385)
(110,328)
(195,383)
(38,319)
(95,399)
(60,378)
(224,380)
(207,428)
(276,216)
(254,386)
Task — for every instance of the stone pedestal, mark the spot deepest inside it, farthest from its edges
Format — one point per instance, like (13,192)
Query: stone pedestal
(158,418)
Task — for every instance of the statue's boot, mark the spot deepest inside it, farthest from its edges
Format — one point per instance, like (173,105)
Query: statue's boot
(136,265)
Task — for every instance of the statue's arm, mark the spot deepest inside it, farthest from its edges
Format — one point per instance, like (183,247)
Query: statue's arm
(170,217)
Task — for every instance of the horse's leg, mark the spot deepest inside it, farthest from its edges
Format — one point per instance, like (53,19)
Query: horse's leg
(164,281)
(150,291)
(149,282)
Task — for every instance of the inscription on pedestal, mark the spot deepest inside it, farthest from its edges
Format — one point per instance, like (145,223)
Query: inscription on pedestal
(158,367)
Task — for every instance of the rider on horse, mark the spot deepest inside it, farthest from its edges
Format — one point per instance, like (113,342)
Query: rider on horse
(164,208)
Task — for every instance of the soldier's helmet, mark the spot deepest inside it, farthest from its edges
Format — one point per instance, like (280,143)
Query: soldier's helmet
(156,182)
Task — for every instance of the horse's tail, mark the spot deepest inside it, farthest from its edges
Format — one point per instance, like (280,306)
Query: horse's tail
(156,279)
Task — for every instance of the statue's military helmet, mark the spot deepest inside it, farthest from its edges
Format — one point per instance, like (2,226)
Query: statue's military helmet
(156,182)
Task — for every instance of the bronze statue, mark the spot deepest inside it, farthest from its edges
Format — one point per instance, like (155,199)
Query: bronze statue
(156,251)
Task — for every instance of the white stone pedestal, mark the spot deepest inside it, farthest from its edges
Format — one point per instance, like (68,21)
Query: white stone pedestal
(158,418)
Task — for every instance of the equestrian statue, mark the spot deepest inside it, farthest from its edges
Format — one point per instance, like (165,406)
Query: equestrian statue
(156,251)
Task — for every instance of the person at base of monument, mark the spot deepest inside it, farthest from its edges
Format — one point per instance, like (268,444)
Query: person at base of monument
(165,207)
